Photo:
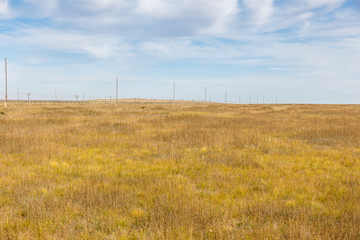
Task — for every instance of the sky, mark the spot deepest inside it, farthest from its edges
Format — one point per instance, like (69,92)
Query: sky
(289,51)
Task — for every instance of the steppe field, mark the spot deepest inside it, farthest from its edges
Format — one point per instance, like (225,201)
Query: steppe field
(183,171)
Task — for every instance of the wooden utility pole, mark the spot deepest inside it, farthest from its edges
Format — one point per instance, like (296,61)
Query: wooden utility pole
(205,93)
(5,83)
(117,90)
(174,93)
(28,94)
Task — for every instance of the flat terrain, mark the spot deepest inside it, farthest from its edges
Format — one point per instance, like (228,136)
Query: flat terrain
(183,171)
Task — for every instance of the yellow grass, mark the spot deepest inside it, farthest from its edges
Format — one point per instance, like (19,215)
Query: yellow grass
(183,171)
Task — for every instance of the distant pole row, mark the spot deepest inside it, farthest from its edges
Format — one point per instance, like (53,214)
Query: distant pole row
(117,94)
(226,98)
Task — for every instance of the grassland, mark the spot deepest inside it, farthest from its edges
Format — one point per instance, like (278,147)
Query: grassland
(183,171)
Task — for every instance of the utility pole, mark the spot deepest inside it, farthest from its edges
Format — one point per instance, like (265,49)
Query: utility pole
(28,94)
(117,90)
(5,83)
(205,93)
(225,97)
(174,93)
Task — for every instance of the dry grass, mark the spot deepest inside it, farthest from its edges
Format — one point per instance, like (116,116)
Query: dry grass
(158,171)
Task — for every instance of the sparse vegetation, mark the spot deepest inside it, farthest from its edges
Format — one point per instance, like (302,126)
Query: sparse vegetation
(180,172)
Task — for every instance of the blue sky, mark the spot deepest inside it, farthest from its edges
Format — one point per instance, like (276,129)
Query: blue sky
(298,51)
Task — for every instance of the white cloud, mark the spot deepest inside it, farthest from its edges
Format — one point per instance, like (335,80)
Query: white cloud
(108,28)
(4,7)
(330,4)
(170,18)
(187,17)
(94,45)
(226,14)
(157,9)
(261,10)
